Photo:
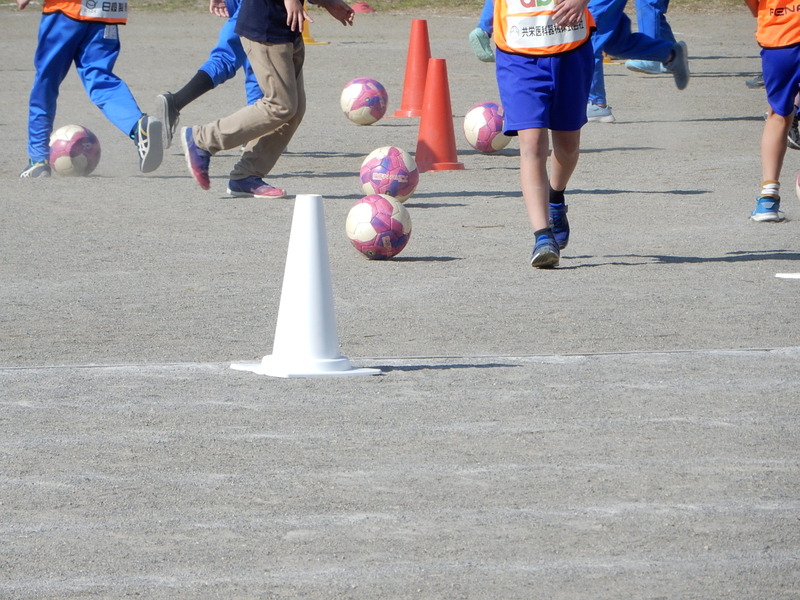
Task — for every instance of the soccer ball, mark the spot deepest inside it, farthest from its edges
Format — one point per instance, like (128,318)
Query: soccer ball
(74,151)
(389,170)
(378,226)
(483,128)
(364,101)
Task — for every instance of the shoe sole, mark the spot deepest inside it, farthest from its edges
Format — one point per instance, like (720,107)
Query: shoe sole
(766,217)
(605,119)
(545,260)
(252,195)
(155,149)
(162,109)
(646,71)
(185,144)
(682,77)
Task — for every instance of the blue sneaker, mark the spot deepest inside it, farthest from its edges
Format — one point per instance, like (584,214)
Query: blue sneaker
(253,187)
(599,114)
(545,253)
(197,159)
(651,67)
(559,224)
(768,208)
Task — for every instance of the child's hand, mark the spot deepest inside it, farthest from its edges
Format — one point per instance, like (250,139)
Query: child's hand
(339,10)
(218,8)
(295,14)
(569,12)
(22,4)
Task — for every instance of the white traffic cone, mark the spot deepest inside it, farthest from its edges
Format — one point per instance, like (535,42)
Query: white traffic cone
(306,343)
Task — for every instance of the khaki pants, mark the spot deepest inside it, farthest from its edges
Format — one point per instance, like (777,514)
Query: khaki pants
(266,127)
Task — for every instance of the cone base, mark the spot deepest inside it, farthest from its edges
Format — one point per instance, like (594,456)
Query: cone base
(314,43)
(445,166)
(413,112)
(274,367)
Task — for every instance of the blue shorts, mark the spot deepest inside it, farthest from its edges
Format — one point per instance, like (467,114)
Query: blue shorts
(781,69)
(545,92)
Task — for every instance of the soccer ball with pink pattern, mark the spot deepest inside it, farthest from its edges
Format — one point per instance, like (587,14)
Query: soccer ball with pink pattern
(378,226)
(364,101)
(483,128)
(74,151)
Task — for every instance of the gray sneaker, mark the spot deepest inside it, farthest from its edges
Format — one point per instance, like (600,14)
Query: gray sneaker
(36,170)
(679,65)
(599,114)
(149,144)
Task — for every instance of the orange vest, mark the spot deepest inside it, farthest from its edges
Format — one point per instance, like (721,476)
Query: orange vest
(778,23)
(527,27)
(105,11)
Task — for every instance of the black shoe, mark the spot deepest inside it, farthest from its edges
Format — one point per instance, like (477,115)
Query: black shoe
(793,138)
(168,115)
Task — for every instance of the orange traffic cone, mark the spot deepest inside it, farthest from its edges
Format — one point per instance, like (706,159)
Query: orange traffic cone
(308,40)
(419,52)
(436,142)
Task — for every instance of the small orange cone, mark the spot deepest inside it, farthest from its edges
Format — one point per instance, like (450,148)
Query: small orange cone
(308,40)
(436,142)
(419,52)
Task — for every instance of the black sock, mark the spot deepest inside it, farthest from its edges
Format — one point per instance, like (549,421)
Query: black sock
(540,232)
(197,86)
(556,197)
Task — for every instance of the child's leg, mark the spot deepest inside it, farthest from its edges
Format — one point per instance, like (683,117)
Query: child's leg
(58,40)
(566,150)
(773,145)
(95,62)
(533,149)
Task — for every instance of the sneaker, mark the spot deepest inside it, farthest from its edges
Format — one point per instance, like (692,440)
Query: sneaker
(793,137)
(545,253)
(148,143)
(599,114)
(253,187)
(767,208)
(679,65)
(36,169)
(168,115)
(479,40)
(197,159)
(559,224)
(651,67)
(756,82)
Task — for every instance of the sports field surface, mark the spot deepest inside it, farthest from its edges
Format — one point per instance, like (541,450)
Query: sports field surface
(625,426)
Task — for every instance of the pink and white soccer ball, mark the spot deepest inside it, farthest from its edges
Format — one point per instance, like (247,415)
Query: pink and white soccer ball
(378,226)
(483,128)
(364,101)
(74,151)
(389,170)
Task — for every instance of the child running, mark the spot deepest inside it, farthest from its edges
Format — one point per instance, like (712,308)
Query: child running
(87,34)
(544,65)
(778,34)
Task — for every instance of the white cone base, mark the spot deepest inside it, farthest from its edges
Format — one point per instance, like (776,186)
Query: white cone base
(274,367)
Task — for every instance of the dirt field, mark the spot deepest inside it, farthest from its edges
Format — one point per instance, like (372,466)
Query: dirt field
(625,426)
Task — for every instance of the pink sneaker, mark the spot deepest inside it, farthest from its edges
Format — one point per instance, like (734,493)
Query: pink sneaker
(253,187)
(197,159)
